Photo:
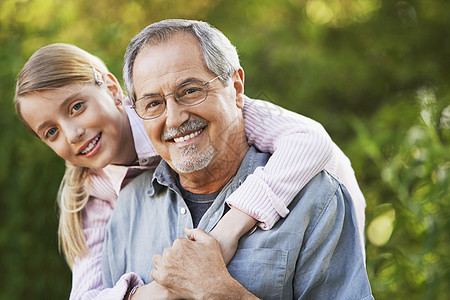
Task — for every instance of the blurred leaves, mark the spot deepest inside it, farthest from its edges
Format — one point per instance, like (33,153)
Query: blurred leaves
(411,201)
(375,73)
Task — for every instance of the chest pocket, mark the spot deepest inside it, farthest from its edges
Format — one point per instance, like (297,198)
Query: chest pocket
(262,271)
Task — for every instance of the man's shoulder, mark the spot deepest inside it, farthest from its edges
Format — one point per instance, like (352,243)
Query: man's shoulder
(317,195)
(323,184)
(326,181)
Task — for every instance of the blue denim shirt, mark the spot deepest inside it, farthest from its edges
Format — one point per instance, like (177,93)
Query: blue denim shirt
(314,253)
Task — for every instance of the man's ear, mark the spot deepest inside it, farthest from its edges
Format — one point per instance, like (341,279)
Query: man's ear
(238,84)
(113,86)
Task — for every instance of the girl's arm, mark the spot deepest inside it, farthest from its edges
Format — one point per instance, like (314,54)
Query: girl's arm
(301,148)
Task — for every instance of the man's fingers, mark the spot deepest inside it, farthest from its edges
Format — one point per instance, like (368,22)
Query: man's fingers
(154,275)
(190,233)
(197,234)
(156,259)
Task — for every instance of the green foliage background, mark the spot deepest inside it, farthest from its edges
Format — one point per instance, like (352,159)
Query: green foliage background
(375,73)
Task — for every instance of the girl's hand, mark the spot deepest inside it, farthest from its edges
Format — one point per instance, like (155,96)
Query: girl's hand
(153,291)
(229,230)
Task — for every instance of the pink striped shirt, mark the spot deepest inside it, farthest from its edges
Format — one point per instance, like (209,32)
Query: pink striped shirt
(301,148)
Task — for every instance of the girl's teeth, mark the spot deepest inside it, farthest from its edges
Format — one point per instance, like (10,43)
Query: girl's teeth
(90,146)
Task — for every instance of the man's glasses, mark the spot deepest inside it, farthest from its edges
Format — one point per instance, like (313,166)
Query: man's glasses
(188,94)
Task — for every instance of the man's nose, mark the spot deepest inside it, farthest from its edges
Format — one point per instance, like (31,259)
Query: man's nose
(176,113)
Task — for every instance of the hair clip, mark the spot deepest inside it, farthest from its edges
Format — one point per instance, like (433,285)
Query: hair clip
(98,81)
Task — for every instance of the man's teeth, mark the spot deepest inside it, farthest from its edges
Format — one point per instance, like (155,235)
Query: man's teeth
(91,145)
(187,137)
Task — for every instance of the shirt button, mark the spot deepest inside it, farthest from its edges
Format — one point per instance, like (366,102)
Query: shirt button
(183,211)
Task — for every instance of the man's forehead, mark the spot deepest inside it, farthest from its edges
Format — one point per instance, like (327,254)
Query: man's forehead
(183,42)
(176,58)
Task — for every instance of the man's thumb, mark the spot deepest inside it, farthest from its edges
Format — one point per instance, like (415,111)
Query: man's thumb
(196,234)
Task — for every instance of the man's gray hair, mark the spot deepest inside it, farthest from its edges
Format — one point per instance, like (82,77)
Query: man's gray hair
(219,55)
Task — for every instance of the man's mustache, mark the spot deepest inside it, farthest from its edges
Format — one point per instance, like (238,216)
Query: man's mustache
(188,126)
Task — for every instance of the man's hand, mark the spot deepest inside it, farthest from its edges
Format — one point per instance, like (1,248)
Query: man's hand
(195,269)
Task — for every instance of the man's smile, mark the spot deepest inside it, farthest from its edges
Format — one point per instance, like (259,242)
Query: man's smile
(187,136)
(184,132)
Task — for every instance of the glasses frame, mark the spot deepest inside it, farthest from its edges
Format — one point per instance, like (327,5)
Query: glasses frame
(205,84)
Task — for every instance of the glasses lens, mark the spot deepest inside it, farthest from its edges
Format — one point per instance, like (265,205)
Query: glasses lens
(191,93)
(150,107)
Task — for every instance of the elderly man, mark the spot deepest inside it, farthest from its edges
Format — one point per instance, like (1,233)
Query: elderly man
(193,117)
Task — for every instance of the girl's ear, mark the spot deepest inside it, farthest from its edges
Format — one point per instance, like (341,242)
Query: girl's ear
(113,86)
(238,84)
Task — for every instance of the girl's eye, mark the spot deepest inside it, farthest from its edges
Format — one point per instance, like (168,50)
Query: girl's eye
(78,106)
(51,132)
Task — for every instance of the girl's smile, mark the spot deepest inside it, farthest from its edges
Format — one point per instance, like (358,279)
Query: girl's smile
(91,147)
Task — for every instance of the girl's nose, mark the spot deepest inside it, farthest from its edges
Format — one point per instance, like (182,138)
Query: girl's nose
(75,134)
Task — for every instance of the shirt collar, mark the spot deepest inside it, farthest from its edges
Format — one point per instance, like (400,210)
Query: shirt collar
(164,175)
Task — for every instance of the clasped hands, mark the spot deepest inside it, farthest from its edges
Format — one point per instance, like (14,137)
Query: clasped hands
(192,268)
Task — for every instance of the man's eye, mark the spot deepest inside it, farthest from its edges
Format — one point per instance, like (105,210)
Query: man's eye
(153,104)
(191,90)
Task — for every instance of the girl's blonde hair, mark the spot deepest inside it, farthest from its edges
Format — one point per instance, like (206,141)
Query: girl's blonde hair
(51,67)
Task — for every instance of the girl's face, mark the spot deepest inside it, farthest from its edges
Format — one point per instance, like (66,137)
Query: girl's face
(82,123)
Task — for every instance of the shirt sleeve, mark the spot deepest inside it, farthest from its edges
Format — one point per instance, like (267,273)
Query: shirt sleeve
(301,149)
(331,263)
(86,272)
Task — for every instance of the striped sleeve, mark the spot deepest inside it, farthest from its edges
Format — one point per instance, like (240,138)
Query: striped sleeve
(301,149)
